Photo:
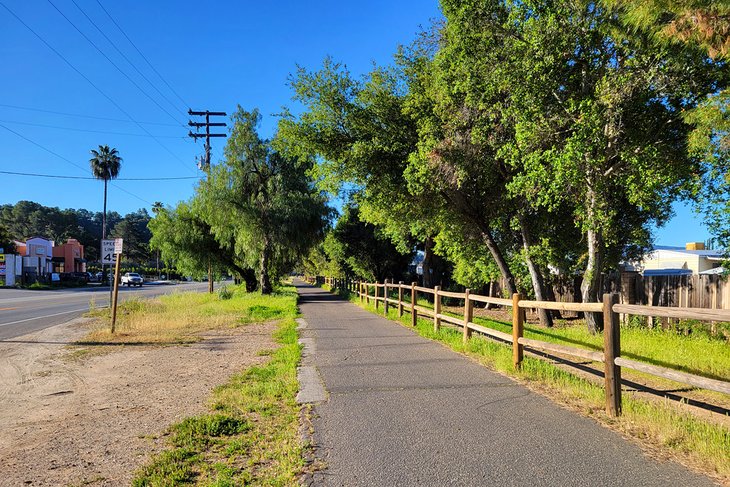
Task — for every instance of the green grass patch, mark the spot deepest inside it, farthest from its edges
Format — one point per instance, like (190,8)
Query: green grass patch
(659,424)
(178,318)
(251,434)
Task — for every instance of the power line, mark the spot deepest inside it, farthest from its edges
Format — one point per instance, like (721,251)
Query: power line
(89,130)
(67,160)
(42,147)
(124,56)
(67,114)
(143,56)
(56,176)
(111,100)
(112,62)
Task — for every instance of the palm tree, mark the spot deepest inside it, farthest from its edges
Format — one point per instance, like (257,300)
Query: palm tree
(105,165)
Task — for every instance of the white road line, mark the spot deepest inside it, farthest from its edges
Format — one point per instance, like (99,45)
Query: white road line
(46,316)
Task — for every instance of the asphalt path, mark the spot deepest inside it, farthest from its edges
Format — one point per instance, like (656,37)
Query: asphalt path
(404,410)
(26,311)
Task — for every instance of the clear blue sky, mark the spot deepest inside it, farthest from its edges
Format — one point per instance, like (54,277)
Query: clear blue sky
(214,56)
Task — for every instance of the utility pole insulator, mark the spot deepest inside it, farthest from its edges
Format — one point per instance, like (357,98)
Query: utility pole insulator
(207,124)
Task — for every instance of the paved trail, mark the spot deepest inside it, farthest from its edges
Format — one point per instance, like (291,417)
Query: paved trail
(403,410)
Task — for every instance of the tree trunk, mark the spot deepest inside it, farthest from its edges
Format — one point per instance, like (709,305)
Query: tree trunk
(550,293)
(427,262)
(249,276)
(246,274)
(538,283)
(591,279)
(264,279)
(490,293)
(501,262)
(103,215)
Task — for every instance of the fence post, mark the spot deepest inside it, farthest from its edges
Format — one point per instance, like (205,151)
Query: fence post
(376,295)
(436,308)
(468,315)
(360,292)
(414,313)
(385,297)
(611,350)
(517,324)
(400,299)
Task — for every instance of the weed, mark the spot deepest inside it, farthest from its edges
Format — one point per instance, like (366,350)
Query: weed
(251,436)
(224,293)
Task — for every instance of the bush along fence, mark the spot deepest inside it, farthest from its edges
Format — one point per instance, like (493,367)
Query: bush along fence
(407,299)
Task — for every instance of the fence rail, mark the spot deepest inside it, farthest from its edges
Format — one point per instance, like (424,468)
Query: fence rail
(610,308)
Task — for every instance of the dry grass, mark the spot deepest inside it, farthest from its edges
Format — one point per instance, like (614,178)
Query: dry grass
(179,318)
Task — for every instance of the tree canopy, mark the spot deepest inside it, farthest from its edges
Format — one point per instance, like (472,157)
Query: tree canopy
(529,138)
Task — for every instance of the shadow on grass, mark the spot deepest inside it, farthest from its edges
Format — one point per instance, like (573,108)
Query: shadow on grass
(654,391)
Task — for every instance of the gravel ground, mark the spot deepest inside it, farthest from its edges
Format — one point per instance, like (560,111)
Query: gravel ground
(70,419)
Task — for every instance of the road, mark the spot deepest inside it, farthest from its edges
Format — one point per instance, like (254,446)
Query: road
(24,311)
(399,409)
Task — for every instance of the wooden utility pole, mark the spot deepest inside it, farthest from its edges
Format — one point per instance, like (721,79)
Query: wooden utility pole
(207,135)
(205,164)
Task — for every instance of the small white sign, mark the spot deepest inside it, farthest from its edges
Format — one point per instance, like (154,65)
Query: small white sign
(107,251)
(118,242)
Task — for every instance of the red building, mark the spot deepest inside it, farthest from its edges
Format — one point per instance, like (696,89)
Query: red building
(69,257)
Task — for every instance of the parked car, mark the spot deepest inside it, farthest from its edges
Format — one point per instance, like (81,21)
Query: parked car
(80,276)
(132,279)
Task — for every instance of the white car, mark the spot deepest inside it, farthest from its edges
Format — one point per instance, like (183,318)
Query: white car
(132,279)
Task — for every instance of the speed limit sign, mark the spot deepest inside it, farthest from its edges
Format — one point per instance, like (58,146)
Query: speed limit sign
(107,251)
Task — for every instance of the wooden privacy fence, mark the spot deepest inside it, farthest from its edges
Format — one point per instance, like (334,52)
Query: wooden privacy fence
(381,293)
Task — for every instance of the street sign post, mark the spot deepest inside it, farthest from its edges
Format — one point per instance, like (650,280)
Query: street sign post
(116,291)
(117,249)
(111,252)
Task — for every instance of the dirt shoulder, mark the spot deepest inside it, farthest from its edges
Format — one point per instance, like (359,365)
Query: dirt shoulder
(68,417)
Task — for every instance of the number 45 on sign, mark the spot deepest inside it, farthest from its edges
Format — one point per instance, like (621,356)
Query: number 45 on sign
(110,248)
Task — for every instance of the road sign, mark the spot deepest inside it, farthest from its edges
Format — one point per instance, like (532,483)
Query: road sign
(107,251)
(110,248)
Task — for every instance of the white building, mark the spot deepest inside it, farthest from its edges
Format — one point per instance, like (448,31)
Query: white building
(693,257)
(38,256)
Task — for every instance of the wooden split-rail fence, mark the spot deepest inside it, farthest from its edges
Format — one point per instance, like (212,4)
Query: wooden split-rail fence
(610,308)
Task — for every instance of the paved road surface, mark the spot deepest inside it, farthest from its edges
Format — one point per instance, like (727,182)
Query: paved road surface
(403,410)
(24,311)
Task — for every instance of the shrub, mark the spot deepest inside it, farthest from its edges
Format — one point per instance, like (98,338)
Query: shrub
(224,293)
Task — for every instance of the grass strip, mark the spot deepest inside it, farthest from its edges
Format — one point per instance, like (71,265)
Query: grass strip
(658,425)
(179,318)
(250,435)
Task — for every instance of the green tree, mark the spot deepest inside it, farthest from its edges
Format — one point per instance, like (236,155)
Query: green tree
(362,138)
(578,95)
(363,250)
(6,241)
(703,23)
(133,229)
(263,201)
(186,241)
(105,165)
(317,262)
